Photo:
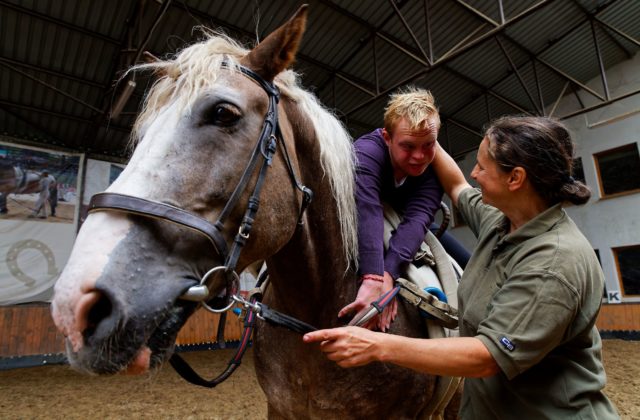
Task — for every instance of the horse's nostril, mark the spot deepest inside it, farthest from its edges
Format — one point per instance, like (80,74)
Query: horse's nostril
(100,311)
(92,310)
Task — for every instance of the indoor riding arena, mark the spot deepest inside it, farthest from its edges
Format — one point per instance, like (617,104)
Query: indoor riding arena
(74,122)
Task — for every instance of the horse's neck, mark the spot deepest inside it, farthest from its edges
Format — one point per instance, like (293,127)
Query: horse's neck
(311,276)
(22,177)
(33,176)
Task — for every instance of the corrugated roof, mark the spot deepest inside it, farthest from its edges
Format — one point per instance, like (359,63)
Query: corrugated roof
(59,61)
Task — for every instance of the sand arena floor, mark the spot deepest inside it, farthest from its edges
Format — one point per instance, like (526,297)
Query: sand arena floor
(57,392)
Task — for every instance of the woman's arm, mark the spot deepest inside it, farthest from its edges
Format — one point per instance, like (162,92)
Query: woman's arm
(449,174)
(458,356)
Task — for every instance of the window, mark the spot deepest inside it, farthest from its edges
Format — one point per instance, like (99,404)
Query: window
(619,170)
(628,262)
(577,171)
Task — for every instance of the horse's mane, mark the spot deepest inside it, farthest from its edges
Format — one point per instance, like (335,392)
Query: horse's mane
(197,66)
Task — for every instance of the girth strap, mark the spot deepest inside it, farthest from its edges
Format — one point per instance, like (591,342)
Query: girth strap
(147,208)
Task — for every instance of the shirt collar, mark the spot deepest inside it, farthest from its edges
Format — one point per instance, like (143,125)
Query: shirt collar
(540,224)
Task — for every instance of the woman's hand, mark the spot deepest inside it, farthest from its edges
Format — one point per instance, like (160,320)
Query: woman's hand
(347,346)
(372,287)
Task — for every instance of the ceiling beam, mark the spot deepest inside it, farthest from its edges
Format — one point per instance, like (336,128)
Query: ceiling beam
(515,70)
(498,29)
(413,36)
(49,86)
(617,31)
(606,33)
(599,105)
(536,56)
(44,131)
(58,22)
(64,116)
(442,61)
(53,73)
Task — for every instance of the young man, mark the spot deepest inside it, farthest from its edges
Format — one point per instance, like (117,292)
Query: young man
(393,167)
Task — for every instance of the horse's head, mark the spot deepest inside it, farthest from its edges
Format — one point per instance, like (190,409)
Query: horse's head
(118,299)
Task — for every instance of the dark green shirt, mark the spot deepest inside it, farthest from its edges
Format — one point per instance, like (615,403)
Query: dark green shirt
(532,297)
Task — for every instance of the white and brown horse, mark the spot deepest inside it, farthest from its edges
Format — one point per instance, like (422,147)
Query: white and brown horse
(118,299)
(15,180)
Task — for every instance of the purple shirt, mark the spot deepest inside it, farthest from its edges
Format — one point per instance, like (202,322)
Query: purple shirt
(416,201)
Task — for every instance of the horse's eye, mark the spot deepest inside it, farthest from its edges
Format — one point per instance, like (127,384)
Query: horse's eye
(223,115)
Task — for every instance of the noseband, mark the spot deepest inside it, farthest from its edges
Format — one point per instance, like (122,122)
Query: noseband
(265,147)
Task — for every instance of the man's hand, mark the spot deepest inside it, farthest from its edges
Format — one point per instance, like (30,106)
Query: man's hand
(371,289)
(347,346)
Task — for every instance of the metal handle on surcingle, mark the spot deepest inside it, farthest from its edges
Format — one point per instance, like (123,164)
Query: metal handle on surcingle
(375,308)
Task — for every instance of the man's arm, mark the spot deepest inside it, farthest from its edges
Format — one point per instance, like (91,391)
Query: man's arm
(449,174)
(375,281)
(422,204)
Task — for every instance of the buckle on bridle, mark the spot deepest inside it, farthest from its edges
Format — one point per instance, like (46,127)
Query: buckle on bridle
(243,235)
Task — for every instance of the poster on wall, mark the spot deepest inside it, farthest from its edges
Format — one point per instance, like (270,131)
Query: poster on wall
(38,217)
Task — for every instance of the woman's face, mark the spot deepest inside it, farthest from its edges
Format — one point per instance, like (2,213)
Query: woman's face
(491,179)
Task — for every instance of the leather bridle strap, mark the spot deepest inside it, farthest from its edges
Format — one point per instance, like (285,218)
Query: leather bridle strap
(140,206)
(266,139)
(190,375)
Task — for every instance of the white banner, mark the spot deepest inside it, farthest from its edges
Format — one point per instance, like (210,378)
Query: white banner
(34,255)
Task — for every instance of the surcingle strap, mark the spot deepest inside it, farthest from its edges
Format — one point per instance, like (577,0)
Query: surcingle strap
(442,312)
(433,270)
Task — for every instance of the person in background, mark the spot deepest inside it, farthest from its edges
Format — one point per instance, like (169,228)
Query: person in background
(529,297)
(393,167)
(43,196)
(53,195)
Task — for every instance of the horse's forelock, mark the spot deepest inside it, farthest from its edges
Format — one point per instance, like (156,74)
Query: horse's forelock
(197,66)
(181,78)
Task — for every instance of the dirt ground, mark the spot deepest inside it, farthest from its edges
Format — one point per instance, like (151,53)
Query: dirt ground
(21,206)
(57,392)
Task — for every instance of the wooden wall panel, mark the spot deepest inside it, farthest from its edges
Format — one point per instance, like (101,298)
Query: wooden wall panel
(619,317)
(28,330)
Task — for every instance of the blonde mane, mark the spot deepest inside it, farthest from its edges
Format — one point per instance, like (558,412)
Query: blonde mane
(196,67)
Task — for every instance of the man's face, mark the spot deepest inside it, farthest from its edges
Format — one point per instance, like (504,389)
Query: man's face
(411,151)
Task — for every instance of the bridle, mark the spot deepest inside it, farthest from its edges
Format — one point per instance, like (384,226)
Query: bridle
(265,148)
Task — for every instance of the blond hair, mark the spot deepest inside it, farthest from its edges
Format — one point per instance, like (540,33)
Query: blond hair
(416,105)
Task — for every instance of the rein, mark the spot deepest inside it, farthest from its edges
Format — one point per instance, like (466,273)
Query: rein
(265,147)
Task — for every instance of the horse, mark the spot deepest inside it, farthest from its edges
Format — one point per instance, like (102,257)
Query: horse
(118,300)
(15,180)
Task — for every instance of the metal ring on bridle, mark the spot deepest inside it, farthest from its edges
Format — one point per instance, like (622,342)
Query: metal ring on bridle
(203,283)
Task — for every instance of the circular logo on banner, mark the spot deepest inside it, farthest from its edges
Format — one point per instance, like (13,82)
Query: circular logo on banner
(17,248)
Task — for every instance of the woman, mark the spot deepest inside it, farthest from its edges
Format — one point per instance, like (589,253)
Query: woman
(529,297)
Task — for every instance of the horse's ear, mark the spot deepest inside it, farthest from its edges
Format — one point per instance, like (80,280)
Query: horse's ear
(150,58)
(277,51)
